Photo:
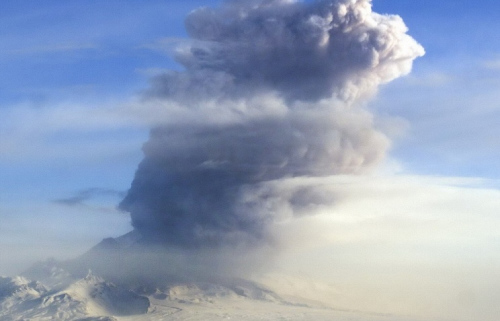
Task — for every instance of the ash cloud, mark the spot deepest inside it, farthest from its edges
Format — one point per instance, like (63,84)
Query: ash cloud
(272,90)
(300,51)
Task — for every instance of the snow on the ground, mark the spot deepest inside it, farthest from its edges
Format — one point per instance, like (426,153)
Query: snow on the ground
(94,299)
(90,298)
(224,306)
(62,292)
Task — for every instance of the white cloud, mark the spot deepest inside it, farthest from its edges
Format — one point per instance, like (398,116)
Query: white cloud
(429,79)
(67,131)
(402,244)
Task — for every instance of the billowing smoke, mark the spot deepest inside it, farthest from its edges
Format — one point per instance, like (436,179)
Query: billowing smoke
(271,90)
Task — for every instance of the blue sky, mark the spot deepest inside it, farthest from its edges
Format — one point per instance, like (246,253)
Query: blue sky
(450,99)
(66,66)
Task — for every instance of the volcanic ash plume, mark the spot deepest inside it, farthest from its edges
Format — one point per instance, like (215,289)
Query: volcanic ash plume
(272,90)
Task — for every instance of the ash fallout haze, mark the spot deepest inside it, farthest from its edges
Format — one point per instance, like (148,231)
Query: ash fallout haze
(280,141)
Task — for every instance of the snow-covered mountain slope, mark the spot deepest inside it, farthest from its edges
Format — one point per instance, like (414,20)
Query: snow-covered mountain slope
(122,288)
(90,298)
(17,293)
(93,299)
(105,298)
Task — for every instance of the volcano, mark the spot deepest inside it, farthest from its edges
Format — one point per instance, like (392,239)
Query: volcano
(96,286)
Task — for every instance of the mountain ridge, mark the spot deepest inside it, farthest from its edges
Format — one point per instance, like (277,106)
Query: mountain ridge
(97,286)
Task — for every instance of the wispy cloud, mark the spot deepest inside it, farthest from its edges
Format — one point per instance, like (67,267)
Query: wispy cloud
(48,48)
(82,197)
(492,64)
(36,133)
(430,79)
